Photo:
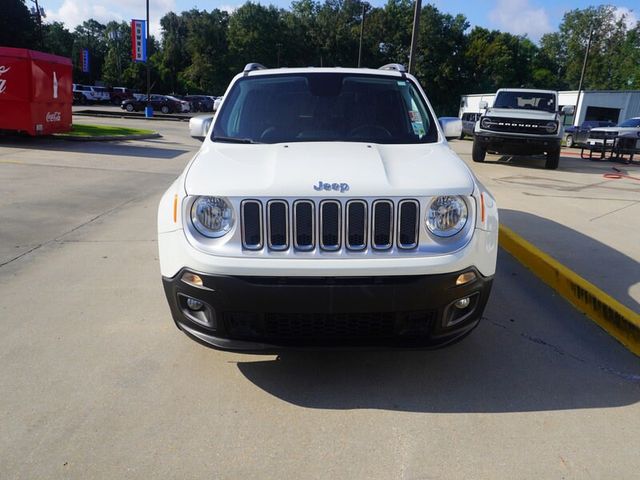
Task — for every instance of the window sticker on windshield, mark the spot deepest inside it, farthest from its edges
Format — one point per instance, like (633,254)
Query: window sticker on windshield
(414,116)
(401,83)
(418,128)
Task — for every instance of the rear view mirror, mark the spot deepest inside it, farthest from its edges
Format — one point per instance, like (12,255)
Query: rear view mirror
(199,126)
(451,126)
(483,105)
(568,110)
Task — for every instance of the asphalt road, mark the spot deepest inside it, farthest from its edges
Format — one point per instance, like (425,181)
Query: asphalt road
(96,382)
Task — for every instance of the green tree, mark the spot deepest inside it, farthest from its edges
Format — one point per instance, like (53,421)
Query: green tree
(254,31)
(118,39)
(57,39)
(206,44)
(90,35)
(440,60)
(173,58)
(611,56)
(17,26)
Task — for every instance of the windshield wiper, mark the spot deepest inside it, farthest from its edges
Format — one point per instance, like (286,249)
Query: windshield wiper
(233,140)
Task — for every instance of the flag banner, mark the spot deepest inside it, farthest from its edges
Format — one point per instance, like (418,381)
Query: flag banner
(84,60)
(139,40)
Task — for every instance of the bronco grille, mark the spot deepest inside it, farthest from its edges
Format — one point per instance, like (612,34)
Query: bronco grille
(330,225)
(514,125)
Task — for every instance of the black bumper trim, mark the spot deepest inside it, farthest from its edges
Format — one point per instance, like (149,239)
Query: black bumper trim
(402,311)
(517,144)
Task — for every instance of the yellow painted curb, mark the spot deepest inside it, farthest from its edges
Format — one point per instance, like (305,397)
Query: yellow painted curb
(617,319)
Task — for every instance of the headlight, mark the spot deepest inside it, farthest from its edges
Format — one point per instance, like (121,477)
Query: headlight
(446,216)
(486,122)
(551,127)
(212,216)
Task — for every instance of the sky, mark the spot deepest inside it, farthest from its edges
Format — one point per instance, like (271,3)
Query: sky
(533,18)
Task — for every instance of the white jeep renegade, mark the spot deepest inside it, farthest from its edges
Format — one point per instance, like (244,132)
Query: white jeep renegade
(326,208)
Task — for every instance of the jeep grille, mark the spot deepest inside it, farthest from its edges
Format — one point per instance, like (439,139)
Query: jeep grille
(330,225)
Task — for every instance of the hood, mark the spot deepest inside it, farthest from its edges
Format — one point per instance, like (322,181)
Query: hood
(616,129)
(304,169)
(518,113)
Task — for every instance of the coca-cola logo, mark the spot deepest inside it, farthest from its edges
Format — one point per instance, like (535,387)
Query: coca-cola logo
(3,82)
(53,117)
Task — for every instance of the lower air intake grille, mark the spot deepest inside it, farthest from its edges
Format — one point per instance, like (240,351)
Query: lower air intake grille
(323,327)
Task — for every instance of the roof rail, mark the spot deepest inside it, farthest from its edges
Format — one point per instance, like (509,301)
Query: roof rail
(249,67)
(398,67)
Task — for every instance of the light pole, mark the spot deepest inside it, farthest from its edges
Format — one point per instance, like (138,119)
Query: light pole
(584,68)
(147,60)
(115,36)
(364,13)
(414,36)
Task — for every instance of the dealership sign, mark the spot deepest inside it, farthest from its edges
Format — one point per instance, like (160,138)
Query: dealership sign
(139,40)
(84,60)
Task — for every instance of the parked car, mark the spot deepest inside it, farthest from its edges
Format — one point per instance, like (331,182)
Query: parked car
(469,120)
(521,122)
(101,94)
(84,94)
(119,94)
(578,135)
(605,136)
(161,103)
(325,207)
(200,103)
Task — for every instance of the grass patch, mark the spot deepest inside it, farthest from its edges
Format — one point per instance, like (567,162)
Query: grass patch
(83,130)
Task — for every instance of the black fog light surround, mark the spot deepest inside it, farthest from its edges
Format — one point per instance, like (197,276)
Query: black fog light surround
(197,311)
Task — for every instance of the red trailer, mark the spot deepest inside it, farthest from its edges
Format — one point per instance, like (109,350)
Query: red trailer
(35,92)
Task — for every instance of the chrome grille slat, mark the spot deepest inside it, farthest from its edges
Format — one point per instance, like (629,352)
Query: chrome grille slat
(382,224)
(356,225)
(278,224)
(304,225)
(252,225)
(330,224)
(408,218)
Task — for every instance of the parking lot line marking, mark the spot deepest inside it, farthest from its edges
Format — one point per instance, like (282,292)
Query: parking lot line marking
(617,319)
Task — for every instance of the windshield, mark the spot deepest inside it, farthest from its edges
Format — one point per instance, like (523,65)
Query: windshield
(314,107)
(526,101)
(632,122)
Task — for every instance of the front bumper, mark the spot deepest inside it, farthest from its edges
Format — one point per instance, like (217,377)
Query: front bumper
(517,144)
(272,313)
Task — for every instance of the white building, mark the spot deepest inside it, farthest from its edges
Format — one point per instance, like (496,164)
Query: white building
(613,105)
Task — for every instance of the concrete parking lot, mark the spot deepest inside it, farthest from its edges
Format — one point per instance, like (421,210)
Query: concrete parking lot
(97,382)
(585,220)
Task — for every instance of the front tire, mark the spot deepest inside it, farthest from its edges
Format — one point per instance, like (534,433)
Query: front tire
(129,107)
(164,109)
(478,153)
(569,141)
(553,159)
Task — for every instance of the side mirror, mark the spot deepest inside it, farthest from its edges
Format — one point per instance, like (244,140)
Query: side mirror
(451,126)
(199,126)
(483,105)
(568,110)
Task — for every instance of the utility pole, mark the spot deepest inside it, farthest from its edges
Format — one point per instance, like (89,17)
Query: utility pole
(584,68)
(147,60)
(364,12)
(414,36)
(39,12)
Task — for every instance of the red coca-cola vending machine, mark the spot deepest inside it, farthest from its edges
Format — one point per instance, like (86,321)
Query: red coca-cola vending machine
(35,92)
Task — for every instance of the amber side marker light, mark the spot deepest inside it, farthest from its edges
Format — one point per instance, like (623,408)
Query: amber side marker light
(175,208)
(465,278)
(192,279)
(482,207)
